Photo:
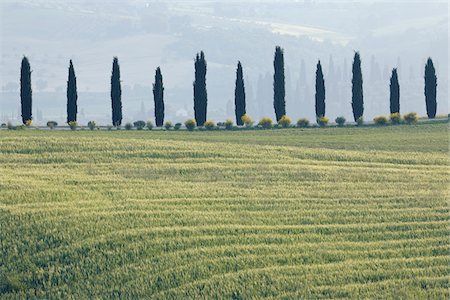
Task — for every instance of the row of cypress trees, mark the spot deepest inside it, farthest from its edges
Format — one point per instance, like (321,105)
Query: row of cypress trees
(201,96)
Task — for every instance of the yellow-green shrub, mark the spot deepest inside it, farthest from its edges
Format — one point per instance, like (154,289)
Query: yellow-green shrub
(395,118)
(190,124)
(380,120)
(411,118)
(285,121)
(322,121)
(302,123)
(209,124)
(265,122)
(247,120)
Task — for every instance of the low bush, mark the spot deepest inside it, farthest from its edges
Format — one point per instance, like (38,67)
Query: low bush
(247,120)
(139,125)
(285,121)
(380,120)
(28,123)
(73,125)
(322,121)
(190,124)
(302,123)
(91,125)
(340,121)
(265,123)
(228,124)
(395,118)
(360,121)
(168,125)
(411,118)
(52,124)
(149,125)
(209,125)
(128,126)
(177,126)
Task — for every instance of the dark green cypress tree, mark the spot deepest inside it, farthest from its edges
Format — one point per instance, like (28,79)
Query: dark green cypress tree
(279,92)
(357,88)
(25,90)
(200,94)
(430,89)
(158,96)
(239,95)
(320,92)
(394,93)
(72,95)
(116,94)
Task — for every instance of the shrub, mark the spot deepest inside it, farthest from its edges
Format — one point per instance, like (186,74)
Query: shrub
(168,125)
(28,123)
(220,124)
(128,126)
(322,121)
(265,122)
(340,121)
(380,120)
(177,126)
(149,125)
(302,123)
(91,125)
(247,120)
(10,126)
(190,124)
(228,124)
(52,124)
(209,124)
(73,125)
(139,124)
(3,125)
(395,118)
(411,118)
(360,121)
(285,121)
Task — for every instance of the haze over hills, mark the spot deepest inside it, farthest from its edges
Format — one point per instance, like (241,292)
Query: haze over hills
(147,34)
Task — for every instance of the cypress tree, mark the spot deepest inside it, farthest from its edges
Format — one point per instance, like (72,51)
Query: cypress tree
(72,95)
(357,88)
(279,92)
(25,90)
(239,95)
(394,93)
(158,96)
(200,94)
(430,89)
(116,94)
(320,92)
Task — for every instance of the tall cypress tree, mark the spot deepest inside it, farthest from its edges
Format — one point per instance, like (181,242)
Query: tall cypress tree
(320,92)
(394,93)
(200,94)
(239,95)
(430,89)
(158,96)
(116,94)
(72,95)
(357,88)
(25,90)
(279,91)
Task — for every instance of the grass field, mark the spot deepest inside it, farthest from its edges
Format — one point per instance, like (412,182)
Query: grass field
(314,213)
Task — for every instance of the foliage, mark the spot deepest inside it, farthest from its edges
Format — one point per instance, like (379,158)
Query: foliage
(139,124)
(72,95)
(357,88)
(28,123)
(340,121)
(320,92)
(239,95)
(302,123)
(210,125)
(395,118)
(380,120)
(190,124)
(360,121)
(265,123)
(279,89)
(322,121)
(200,93)
(411,118)
(92,125)
(116,94)
(177,126)
(285,121)
(149,125)
(394,98)
(229,124)
(158,96)
(52,124)
(430,89)
(168,125)
(10,283)
(25,90)
(128,126)
(73,125)
(247,120)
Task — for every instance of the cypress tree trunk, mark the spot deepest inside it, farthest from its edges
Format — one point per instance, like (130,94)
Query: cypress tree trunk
(72,95)
(395,93)
(279,92)
(158,96)
(116,94)
(25,91)
(320,92)
(239,95)
(200,94)
(357,88)
(430,89)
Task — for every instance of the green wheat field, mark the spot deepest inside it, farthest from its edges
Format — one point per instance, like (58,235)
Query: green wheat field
(287,214)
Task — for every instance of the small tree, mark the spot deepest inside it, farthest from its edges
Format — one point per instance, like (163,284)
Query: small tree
(139,125)
(177,126)
(340,121)
(190,124)
(116,94)
(25,91)
(320,92)
(158,96)
(168,125)
(279,91)
(128,126)
(357,89)
(149,125)
(239,95)
(394,93)
(92,125)
(52,124)
(72,95)
(200,93)
(430,89)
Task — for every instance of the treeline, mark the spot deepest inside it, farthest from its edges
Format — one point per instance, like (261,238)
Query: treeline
(201,95)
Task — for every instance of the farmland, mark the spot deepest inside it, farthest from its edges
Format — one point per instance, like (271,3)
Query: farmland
(288,213)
